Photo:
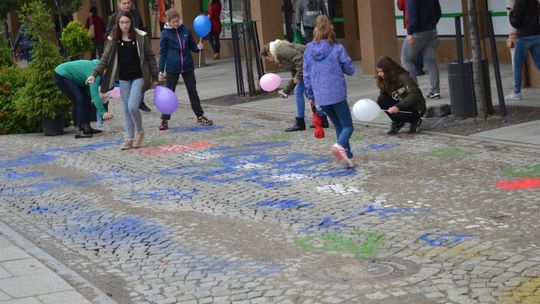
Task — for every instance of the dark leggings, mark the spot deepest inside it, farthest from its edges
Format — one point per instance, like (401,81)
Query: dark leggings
(191,86)
(213,39)
(386,101)
(79,97)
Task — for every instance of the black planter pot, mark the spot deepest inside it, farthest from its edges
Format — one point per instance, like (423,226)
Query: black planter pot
(52,126)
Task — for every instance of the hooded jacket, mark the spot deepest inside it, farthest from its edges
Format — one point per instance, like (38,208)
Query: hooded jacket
(291,56)
(308,10)
(324,66)
(524,17)
(175,47)
(422,15)
(109,62)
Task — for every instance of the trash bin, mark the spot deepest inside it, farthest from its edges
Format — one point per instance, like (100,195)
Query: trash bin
(461,89)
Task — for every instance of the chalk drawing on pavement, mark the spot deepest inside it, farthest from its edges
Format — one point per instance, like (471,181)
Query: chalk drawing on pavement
(448,152)
(161,195)
(375,147)
(363,244)
(259,164)
(337,189)
(532,171)
(444,239)
(284,204)
(519,184)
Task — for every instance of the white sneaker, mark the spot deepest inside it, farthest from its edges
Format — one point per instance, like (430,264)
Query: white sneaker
(513,97)
(283,94)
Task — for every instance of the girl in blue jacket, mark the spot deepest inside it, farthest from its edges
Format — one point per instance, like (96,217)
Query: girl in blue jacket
(175,46)
(325,63)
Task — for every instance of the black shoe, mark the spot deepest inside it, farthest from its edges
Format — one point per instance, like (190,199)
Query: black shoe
(143,107)
(396,126)
(420,73)
(434,95)
(81,134)
(299,125)
(415,126)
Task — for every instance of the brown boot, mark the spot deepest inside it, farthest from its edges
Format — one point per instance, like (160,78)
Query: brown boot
(128,144)
(216,56)
(138,140)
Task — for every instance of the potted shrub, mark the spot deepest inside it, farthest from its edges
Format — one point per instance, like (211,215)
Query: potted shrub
(40,99)
(6,58)
(13,79)
(76,40)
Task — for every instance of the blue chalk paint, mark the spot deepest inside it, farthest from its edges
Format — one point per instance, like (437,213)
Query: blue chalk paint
(196,129)
(14,175)
(443,239)
(284,204)
(375,147)
(161,195)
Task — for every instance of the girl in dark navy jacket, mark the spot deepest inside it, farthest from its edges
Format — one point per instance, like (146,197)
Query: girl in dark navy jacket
(175,47)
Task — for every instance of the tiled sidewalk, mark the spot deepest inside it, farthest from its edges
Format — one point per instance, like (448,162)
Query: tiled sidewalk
(25,280)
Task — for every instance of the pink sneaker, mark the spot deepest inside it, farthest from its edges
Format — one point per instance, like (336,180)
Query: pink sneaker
(338,152)
(341,156)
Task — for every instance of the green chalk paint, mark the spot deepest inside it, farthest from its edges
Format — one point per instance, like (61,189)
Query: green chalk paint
(228,133)
(363,245)
(357,138)
(279,137)
(449,152)
(153,142)
(533,171)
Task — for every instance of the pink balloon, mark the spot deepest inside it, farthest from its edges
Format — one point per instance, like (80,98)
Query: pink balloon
(270,82)
(165,100)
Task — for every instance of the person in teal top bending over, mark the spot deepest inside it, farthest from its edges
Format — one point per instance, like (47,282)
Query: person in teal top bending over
(70,77)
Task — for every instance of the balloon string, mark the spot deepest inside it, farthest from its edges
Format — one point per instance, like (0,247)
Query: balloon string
(398,111)
(200,51)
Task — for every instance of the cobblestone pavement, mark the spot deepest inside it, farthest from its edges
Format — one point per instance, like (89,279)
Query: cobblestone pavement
(243,212)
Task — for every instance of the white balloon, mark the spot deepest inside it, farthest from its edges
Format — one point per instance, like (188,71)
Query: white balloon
(366,110)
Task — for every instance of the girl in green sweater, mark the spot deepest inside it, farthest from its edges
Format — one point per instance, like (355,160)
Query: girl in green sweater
(70,77)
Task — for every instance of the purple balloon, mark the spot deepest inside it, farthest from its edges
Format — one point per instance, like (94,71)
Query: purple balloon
(165,100)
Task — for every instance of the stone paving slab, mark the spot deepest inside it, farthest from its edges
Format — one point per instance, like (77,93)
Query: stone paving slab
(23,279)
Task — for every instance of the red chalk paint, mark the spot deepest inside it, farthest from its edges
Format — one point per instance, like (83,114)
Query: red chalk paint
(519,184)
(173,148)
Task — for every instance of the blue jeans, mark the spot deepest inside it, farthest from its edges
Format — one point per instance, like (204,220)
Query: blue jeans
(340,115)
(426,42)
(132,93)
(79,98)
(299,97)
(299,90)
(524,46)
